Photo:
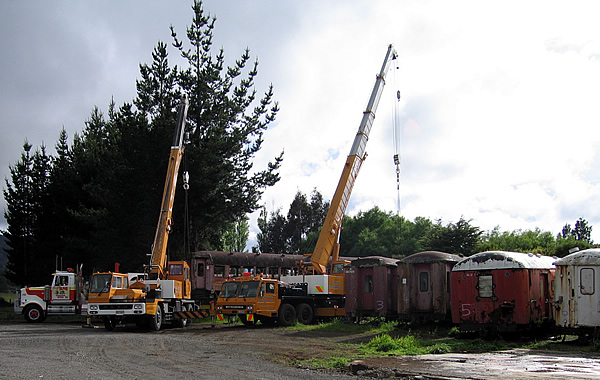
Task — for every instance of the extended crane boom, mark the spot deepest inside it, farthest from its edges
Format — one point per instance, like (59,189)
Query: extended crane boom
(327,243)
(158,260)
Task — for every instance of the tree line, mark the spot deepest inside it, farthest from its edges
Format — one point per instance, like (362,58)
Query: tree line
(379,233)
(97,200)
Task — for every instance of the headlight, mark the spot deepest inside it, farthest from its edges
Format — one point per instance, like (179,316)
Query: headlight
(137,306)
(219,307)
(250,307)
(93,307)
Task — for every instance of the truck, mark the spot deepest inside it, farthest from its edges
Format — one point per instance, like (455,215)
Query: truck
(319,290)
(64,296)
(162,293)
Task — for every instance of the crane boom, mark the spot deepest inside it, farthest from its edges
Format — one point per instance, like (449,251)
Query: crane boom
(333,221)
(158,260)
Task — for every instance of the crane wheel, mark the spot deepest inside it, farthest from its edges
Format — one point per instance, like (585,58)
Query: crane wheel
(287,315)
(304,313)
(157,319)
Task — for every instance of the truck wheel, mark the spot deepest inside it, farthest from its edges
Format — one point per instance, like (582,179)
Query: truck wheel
(157,320)
(287,315)
(34,313)
(304,313)
(110,323)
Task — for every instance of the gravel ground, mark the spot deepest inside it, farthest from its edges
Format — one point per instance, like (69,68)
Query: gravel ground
(66,350)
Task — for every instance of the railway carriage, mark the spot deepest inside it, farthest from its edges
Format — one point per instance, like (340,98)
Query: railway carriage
(424,286)
(498,291)
(577,294)
(371,287)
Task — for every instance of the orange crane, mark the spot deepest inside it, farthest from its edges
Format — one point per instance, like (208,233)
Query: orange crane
(318,291)
(164,289)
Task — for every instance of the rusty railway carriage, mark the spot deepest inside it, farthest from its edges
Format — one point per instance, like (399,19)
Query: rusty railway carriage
(211,268)
(371,287)
(424,286)
(577,293)
(498,291)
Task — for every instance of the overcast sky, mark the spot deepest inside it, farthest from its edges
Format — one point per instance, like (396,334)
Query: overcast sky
(498,120)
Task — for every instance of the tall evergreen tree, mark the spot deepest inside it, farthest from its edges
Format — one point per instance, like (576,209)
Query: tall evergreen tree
(25,195)
(226,124)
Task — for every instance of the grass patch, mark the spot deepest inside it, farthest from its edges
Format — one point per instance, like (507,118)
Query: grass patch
(342,326)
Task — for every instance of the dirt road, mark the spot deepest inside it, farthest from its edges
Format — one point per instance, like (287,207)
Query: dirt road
(67,351)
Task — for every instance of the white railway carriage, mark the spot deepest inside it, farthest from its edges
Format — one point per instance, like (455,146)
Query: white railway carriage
(577,295)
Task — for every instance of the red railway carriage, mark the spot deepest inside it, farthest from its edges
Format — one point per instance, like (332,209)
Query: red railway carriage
(502,291)
(424,286)
(370,289)
(211,268)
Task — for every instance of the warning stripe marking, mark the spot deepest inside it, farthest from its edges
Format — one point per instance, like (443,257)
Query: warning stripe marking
(191,314)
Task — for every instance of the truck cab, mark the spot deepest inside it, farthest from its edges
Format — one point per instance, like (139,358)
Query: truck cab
(62,297)
(250,298)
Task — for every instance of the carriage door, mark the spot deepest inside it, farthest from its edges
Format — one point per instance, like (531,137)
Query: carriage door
(366,301)
(544,296)
(424,293)
(587,297)
(200,280)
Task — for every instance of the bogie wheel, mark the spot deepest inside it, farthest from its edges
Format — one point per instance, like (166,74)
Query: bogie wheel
(287,315)
(304,313)
(34,313)
(157,320)
(110,323)
(246,322)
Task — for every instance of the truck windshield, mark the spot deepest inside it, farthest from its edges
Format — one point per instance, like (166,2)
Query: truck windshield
(100,283)
(248,289)
(229,289)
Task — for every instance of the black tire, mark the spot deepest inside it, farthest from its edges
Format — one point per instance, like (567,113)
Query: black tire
(34,314)
(287,315)
(246,322)
(156,320)
(110,323)
(304,313)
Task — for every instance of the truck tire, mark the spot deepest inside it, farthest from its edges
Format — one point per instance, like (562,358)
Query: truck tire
(34,314)
(304,313)
(287,315)
(110,323)
(157,319)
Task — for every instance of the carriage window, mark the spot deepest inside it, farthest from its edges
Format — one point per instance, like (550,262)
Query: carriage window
(235,271)
(485,286)
(424,281)
(273,272)
(219,270)
(200,270)
(368,283)
(587,280)
(261,270)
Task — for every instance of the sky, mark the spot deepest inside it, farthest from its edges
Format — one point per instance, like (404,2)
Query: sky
(497,123)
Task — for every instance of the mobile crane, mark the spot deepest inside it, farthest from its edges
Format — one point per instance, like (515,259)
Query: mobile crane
(319,291)
(164,289)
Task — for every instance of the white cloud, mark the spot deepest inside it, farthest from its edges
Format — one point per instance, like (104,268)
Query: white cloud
(498,111)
